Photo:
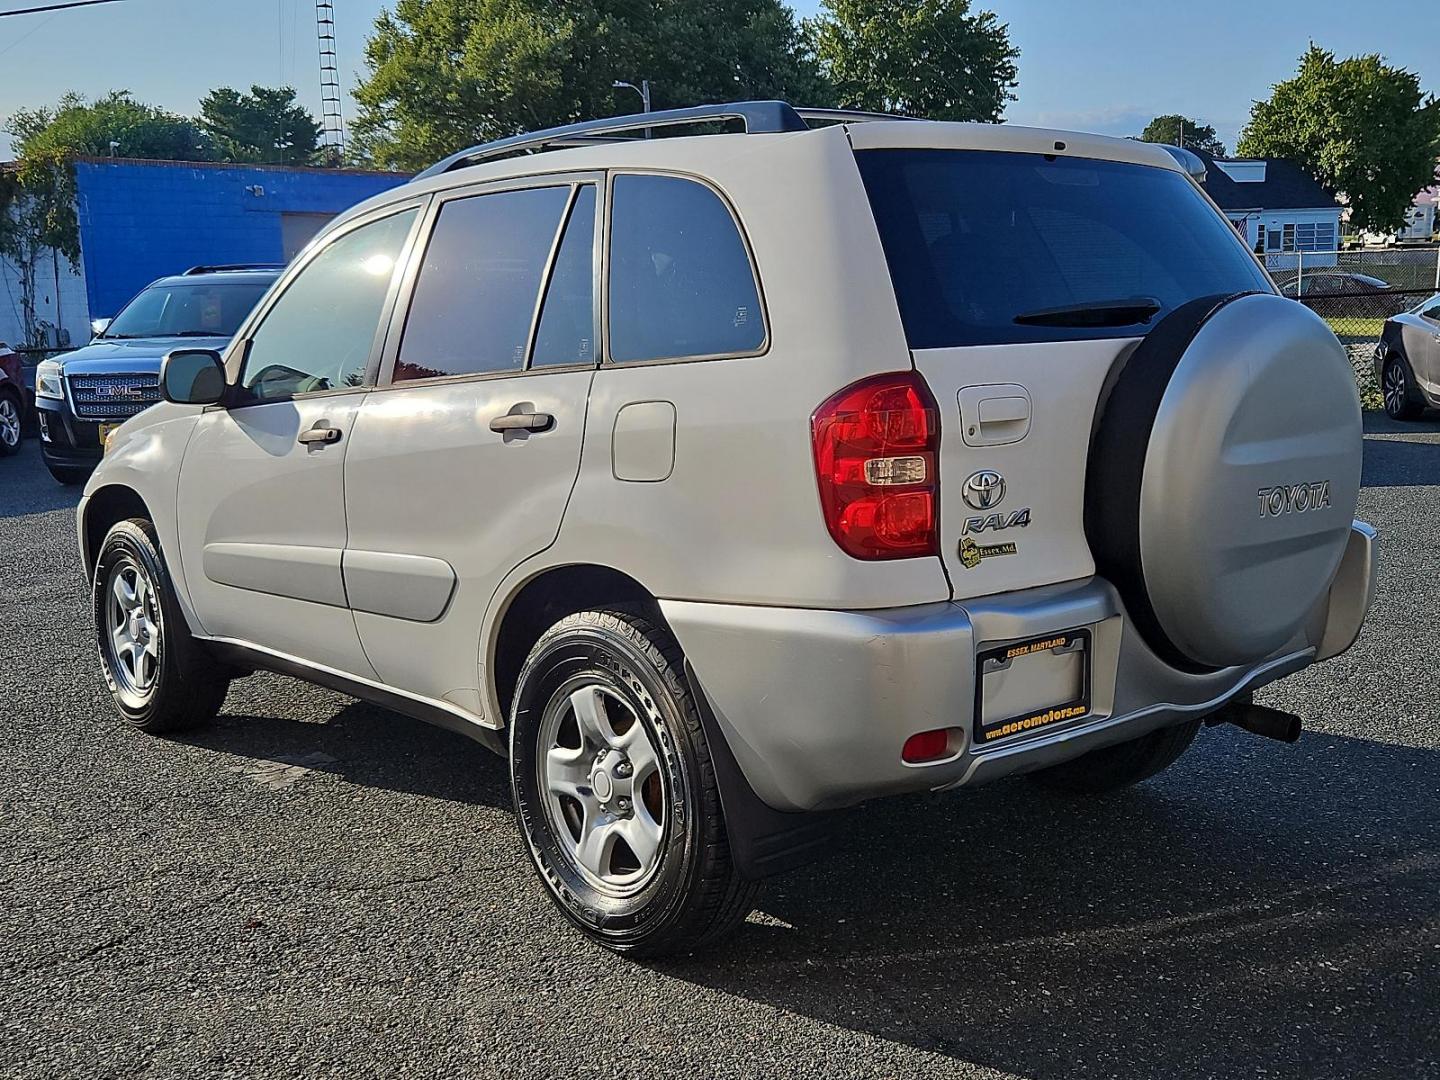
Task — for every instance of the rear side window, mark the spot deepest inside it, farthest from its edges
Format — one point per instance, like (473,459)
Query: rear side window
(975,239)
(475,297)
(681,284)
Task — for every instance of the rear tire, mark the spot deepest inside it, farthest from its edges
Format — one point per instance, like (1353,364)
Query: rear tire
(1397,387)
(1114,767)
(161,678)
(615,790)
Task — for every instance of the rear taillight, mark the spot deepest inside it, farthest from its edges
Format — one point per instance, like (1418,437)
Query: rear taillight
(876,448)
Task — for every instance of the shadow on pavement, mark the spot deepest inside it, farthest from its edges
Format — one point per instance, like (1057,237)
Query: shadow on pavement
(1378,423)
(26,486)
(1278,917)
(1394,460)
(370,747)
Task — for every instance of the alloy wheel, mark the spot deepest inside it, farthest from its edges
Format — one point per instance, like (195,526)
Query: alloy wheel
(1394,389)
(602,786)
(132,628)
(9,423)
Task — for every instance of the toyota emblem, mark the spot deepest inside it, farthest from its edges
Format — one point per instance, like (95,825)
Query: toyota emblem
(983,490)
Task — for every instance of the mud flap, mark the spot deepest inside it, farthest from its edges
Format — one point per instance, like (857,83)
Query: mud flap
(763,841)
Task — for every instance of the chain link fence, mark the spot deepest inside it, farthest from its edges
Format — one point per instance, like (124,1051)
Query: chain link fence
(1356,291)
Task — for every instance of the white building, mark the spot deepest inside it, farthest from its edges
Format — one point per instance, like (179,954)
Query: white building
(1283,213)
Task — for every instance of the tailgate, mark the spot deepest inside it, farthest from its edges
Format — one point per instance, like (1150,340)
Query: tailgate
(1015,425)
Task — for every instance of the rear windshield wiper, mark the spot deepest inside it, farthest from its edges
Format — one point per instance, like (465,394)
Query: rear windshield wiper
(1125,312)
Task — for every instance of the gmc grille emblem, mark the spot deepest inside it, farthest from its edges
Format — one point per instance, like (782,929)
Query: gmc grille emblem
(122,391)
(1294,498)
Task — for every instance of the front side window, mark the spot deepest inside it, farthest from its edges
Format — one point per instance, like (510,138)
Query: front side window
(990,247)
(1431,309)
(681,283)
(213,309)
(475,296)
(319,334)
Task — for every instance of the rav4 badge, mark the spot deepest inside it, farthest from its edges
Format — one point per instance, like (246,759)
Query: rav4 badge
(1016,520)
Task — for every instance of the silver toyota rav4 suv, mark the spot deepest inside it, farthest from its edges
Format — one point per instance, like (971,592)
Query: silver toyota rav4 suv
(725,481)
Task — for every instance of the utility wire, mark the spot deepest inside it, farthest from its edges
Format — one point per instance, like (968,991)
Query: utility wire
(56,7)
(30,33)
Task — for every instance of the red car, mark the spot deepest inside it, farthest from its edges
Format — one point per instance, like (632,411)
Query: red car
(12,400)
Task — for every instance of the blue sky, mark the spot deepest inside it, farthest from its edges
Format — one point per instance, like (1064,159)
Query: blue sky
(1095,65)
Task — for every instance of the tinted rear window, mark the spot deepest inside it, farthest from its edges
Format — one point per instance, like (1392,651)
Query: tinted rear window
(680,278)
(976,238)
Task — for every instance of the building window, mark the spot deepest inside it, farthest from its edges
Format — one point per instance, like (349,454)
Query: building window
(1306,236)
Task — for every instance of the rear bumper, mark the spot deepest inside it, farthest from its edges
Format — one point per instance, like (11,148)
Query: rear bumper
(816,705)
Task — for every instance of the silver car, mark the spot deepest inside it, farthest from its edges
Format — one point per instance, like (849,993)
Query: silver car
(723,482)
(1407,360)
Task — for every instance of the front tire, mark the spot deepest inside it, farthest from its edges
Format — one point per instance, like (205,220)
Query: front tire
(1397,387)
(159,675)
(11,424)
(615,790)
(1120,766)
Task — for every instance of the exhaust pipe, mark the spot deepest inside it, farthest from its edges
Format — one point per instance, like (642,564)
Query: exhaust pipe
(1258,720)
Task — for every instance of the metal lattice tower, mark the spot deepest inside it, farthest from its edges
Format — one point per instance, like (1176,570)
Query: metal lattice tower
(333,127)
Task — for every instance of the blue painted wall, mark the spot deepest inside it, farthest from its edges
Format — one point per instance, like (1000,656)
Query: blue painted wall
(142,220)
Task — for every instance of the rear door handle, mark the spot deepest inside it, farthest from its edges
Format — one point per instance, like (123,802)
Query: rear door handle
(321,433)
(523,421)
(994,414)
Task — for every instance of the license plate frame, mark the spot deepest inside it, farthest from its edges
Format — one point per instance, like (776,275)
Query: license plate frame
(1032,721)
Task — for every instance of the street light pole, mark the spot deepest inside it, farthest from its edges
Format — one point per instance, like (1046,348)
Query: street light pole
(643,90)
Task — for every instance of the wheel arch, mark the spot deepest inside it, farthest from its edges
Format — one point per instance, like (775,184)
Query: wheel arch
(103,508)
(543,599)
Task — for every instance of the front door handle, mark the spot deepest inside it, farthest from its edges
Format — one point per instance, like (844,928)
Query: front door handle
(321,433)
(523,421)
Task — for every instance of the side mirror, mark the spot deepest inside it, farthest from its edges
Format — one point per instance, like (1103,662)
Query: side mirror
(192,377)
(99,326)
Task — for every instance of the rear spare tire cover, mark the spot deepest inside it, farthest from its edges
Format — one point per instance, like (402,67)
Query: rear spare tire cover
(1223,477)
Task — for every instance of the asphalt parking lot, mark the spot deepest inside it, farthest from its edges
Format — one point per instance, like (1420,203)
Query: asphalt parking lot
(315,887)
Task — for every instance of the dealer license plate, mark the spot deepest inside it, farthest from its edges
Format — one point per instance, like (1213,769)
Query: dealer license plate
(1027,686)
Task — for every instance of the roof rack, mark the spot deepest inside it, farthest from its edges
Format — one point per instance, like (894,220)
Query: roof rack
(759,117)
(227,267)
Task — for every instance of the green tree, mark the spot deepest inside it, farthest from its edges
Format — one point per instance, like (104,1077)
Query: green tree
(444,74)
(114,126)
(37,195)
(1180,130)
(265,125)
(931,58)
(1359,126)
